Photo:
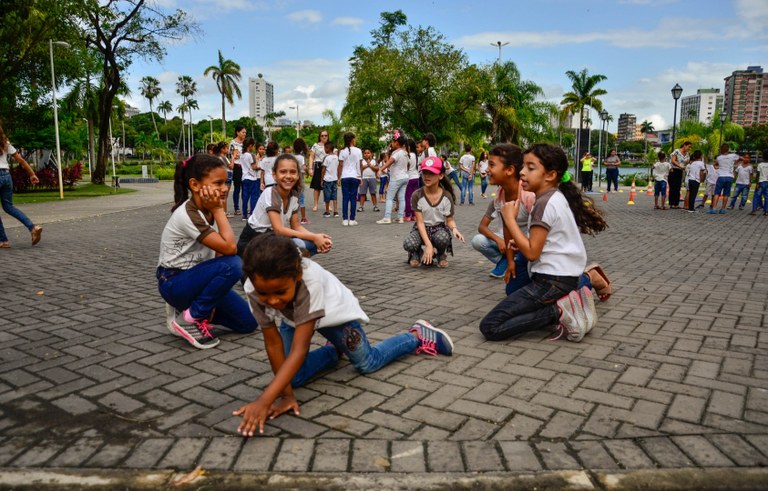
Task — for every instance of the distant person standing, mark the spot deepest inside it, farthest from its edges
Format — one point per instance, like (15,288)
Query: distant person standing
(7,151)
(467,171)
(696,172)
(587,163)
(724,163)
(316,157)
(678,160)
(612,164)
(761,189)
(236,151)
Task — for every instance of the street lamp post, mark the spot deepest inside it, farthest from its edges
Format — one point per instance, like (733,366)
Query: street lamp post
(88,147)
(722,122)
(499,44)
(677,91)
(603,118)
(51,42)
(298,123)
(210,118)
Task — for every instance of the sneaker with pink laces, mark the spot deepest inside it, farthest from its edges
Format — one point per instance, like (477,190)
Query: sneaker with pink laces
(196,331)
(432,340)
(573,318)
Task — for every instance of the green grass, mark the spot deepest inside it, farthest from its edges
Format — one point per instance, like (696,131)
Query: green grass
(82,191)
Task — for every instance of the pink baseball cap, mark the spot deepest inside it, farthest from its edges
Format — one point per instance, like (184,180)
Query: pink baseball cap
(432,164)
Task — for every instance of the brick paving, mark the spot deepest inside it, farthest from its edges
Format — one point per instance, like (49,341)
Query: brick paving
(675,375)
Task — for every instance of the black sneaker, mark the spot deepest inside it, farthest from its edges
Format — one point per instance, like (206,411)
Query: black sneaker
(360,209)
(196,332)
(326,215)
(335,215)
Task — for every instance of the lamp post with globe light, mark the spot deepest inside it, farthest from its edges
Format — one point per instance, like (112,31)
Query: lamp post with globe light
(51,42)
(604,119)
(677,91)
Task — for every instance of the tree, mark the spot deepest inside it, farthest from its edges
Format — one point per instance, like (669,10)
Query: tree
(165,107)
(226,75)
(120,30)
(269,121)
(150,89)
(582,94)
(645,128)
(186,88)
(83,98)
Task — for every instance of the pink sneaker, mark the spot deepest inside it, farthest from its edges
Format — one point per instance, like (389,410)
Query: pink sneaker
(196,332)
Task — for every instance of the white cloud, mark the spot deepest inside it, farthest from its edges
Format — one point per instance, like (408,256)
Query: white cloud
(353,22)
(754,13)
(308,16)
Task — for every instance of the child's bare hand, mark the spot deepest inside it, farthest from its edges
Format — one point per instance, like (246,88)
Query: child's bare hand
(323,242)
(212,198)
(284,405)
(457,234)
(254,415)
(510,272)
(429,254)
(510,209)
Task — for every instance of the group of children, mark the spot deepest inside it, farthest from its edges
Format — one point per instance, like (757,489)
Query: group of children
(289,296)
(718,178)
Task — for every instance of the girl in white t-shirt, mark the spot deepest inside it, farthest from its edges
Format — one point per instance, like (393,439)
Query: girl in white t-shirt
(383,176)
(300,151)
(267,164)
(251,177)
(413,178)
(397,164)
(7,152)
(555,250)
(350,158)
(482,169)
(278,211)
(292,297)
(198,266)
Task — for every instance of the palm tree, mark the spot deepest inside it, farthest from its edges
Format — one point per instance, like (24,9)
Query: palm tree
(186,88)
(645,128)
(181,146)
(165,107)
(191,104)
(150,89)
(583,94)
(226,75)
(269,121)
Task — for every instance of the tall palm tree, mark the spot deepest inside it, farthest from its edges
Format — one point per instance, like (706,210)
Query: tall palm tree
(165,107)
(645,128)
(191,104)
(583,94)
(186,88)
(150,89)
(181,146)
(269,121)
(226,75)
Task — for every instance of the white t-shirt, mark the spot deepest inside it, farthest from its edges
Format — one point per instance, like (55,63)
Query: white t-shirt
(268,165)
(433,214)
(5,155)
(270,200)
(661,171)
(384,172)
(762,171)
(711,174)
(494,210)
(320,297)
(331,164)
(483,167)
(302,162)
(413,166)
(563,253)
(726,163)
(368,173)
(350,159)
(431,152)
(694,170)
(399,168)
(744,174)
(181,243)
(249,174)
(466,162)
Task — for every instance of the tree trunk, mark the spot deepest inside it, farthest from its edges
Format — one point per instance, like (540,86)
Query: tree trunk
(152,113)
(91,146)
(224,118)
(107,96)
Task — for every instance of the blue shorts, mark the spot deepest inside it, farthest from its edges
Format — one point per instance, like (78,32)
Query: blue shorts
(723,186)
(660,188)
(329,191)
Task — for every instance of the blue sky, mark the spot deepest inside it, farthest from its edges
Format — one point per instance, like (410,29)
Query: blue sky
(644,47)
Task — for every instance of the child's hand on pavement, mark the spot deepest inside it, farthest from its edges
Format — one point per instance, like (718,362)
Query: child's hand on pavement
(285,404)
(254,415)
(429,254)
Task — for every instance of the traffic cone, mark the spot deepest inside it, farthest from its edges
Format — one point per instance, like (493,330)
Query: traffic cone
(649,191)
(605,196)
(632,194)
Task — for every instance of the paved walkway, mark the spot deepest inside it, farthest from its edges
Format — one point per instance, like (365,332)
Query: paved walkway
(674,376)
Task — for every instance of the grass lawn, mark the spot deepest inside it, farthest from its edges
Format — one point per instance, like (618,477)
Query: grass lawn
(82,191)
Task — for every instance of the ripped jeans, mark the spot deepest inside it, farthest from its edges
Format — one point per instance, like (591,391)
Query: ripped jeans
(350,339)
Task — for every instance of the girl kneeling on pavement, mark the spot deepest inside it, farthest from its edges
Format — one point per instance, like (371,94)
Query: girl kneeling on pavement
(198,265)
(282,286)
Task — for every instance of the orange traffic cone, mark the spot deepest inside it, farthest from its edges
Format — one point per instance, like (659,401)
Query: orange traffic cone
(632,194)
(649,191)
(605,196)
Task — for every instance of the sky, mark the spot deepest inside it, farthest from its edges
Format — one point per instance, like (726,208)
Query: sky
(643,47)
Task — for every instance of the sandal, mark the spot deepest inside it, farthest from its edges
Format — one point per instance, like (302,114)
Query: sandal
(442,261)
(5,245)
(36,232)
(603,293)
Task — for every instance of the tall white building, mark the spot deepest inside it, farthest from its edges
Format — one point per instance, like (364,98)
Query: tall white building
(261,98)
(702,106)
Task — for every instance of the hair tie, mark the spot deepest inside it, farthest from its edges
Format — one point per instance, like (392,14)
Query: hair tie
(396,135)
(184,164)
(566,177)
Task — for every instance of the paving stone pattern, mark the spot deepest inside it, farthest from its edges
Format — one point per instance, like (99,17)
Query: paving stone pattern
(674,375)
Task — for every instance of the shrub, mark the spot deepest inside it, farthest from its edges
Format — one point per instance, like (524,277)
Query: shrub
(165,173)
(640,179)
(49,178)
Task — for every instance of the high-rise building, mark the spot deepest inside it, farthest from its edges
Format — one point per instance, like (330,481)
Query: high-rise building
(261,98)
(702,106)
(627,124)
(746,96)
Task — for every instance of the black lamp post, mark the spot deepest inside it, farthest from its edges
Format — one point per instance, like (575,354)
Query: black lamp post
(677,91)
(722,122)
(603,118)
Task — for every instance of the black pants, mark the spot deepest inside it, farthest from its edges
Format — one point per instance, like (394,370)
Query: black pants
(586,180)
(675,183)
(693,190)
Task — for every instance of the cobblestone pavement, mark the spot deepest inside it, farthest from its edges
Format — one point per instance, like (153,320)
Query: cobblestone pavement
(675,374)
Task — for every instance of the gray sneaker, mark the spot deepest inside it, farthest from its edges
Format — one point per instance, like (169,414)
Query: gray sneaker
(588,303)
(171,314)
(573,321)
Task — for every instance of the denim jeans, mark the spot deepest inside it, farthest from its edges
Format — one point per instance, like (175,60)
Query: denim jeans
(522,277)
(351,340)
(483,184)
(467,185)
(760,199)
(486,247)
(251,194)
(349,187)
(454,176)
(206,287)
(396,188)
(660,189)
(612,176)
(529,308)
(6,196)
(741,190)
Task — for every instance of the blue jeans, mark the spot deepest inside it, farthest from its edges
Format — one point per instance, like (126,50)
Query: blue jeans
(467,184)
(612,176)
(6,196)
(522,278)
(206,287)
(396,188)
(383,180)
(454,176)
(741,190)
(486,247)
(760,199)
(351,340)
(483,184)
(349,187)
(529,308)
(251,194)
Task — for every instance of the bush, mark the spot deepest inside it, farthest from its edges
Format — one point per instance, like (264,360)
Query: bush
(165,173)
(640,179)
(49,178)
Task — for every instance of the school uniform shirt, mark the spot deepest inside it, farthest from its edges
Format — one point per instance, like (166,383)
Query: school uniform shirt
(483,168)
(368,173)
(762,171)
(268,165)
(744,174)
(181,243)
(726,163)
(350,159)
(320,298)
(249,174)
(563,253)
(712,174)
(331,164)
(399,168)
(436,213)
(302,162)
(466,162)
(661,171)
(493,211)
(6,154)
(413,166)
(694,170)
(431,152)
(270,200)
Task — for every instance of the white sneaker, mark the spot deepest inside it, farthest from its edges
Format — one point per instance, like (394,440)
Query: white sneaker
(345,223)
(352,223)
(588,302)
(384,221)
(573,321)
(170,317)
(399,220)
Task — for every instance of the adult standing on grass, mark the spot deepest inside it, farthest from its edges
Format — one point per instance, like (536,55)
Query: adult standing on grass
(7,151)
(678,160)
